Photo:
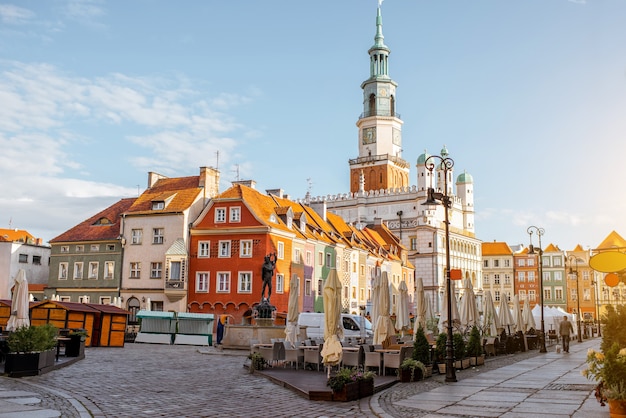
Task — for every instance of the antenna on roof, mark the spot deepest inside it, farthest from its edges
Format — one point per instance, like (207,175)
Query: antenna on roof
(309,184)
(236,170)
(217,159)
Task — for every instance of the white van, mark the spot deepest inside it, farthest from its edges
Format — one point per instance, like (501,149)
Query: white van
(314,323)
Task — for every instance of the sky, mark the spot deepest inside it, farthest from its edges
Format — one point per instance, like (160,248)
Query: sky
(528,96)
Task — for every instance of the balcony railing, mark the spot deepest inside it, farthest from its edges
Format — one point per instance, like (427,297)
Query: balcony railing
(380,113)
(175,284)
(382,157)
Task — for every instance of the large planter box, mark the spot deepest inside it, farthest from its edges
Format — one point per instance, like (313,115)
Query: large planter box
(405,375)
(29,364)
(477,361)
(75,347)
(366,388)
(349,392)
(465,363)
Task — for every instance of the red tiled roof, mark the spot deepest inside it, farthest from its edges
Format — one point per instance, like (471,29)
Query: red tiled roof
(496,248)
(183,191)
(103,226)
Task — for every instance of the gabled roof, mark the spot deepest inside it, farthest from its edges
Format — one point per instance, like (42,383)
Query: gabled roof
(613,240)
(496,248)
(103,226)
(179,194)
(551,248)
(578,249)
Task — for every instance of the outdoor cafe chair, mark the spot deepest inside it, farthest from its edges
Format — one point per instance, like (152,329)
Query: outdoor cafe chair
(373,359)
(312,355)
(294,356)
(394,360)
(352,358)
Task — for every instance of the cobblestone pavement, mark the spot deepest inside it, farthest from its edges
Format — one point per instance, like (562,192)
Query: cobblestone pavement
(152,380)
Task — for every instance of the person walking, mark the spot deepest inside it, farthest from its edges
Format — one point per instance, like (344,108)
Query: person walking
(565,330)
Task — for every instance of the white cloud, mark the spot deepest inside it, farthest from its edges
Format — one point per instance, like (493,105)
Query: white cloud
(15,15)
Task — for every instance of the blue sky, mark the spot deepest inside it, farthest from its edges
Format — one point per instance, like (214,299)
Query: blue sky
(529,97)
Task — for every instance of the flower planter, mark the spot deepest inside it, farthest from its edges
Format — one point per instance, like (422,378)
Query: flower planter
(477,361)
(405,375)
(349,392)
(429,370)
(465,363)
(29,364)
(366,387)
(75,347)
(441,367)
(617,408)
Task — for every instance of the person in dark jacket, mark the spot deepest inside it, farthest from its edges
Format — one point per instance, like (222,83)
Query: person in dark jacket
(565,330)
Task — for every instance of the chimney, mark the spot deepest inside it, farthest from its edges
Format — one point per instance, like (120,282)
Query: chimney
(248,183)
(209,180)
(275,192)
(153,178)
(320,208)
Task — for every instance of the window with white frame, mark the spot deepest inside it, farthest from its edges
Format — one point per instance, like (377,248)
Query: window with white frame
(83,299)
(63,271)
(558,293)
(307,287)
(135,269)
(78,271)
(557,261)
(532,295)
(531,262)
(496,263)
(245,282)
(65,298)
(521,262)
(496,279)
(220,215)
(136,236)
(586,294)
(413,241)
(280,249)
(546,276)
(280,283)
(109,268)
(573,294)
(496,296)
(105,300)
(245,248)
(80,248)
(531,276)
(94,247)
(158,205)
(309,258)
(522,294)
(296,255)
(158,235)
(65,248)
(547,294)
(204,248)
(507,279)
(110,247)
(156,270)
(93,270)
(521,276)
(175,271)
(320,258)
(328,260)
(235,214)
(558,276)
(586,275)
(223,282)
(224,249)
(320,288)
(485,279)
(486,263)
(507,263)
(202,282)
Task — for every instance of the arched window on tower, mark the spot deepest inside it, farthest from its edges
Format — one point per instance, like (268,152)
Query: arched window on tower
(372,105)
(392,106)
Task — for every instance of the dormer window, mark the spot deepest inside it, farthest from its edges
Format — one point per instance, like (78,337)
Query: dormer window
(158,205)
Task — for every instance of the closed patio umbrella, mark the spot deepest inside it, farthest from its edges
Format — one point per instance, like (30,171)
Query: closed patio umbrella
(506,318)
(403,322)
(527,314)
(420,306)
(517,315)
(469,311)
(19,316)
(293,312)
(333,328)
(384,326)
(443,319)
(491,322)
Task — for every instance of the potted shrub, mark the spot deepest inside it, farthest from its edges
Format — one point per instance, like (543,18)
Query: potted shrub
(460,360)
(31,351)
(422,351)
(475,348)
(440,352)
(365,379)
(608,366)
(257,362)
(75,347)
(411,370)
(344,385)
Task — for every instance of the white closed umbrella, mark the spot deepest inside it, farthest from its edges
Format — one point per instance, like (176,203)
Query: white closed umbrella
(333,328)
(443,319)
(375,301)
(293,312)
(517,315)
(506,318)
(420,306)
(469,311)
(527,314)
(19,316)
(384,326)
(403,322)
(491,322)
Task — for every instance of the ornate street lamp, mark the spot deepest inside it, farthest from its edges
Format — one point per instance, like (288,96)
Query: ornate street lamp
(575,272)
(595,290)
(531,250)
(433,198)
